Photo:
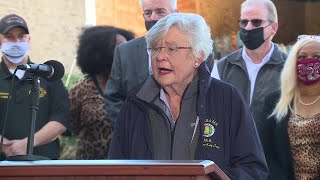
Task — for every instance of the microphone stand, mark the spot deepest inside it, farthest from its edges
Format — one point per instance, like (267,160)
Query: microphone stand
(34,107)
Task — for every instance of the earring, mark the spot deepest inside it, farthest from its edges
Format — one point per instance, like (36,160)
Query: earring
(197,64)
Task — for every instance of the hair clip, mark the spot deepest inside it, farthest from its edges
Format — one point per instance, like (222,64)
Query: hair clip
(305,36)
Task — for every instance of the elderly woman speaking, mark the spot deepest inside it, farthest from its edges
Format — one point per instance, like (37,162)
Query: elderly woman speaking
(181,113)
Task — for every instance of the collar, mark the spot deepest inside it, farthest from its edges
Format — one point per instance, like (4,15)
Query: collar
(4,71)
(247,59)
(191,91)
(149,91)
(6,74)
(152,90)
(276,57)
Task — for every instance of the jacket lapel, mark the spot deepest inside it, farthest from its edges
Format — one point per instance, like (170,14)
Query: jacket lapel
(141,66)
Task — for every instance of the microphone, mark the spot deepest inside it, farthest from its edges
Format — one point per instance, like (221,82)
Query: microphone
(51,70)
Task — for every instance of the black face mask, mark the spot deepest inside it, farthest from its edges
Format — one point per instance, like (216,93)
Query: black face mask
(149,24)
(253,38)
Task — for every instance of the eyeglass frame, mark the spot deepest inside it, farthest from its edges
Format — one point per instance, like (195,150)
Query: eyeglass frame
(307,36)
(172,52)
(254,22)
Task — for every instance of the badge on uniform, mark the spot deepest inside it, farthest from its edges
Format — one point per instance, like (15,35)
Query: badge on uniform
(210,126)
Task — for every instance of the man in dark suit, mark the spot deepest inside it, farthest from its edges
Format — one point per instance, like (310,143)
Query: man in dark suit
(131,64)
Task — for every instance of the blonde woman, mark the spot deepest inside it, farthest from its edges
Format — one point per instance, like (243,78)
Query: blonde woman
(291,135)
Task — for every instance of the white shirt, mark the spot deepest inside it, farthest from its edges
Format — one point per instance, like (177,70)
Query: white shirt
(214,72)
(253,69)
(20,73)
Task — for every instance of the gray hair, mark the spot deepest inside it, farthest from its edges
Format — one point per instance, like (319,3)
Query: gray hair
(192,25)
(173,4)
(271,8)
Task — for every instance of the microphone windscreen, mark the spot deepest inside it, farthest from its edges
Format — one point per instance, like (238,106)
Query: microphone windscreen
(58,69)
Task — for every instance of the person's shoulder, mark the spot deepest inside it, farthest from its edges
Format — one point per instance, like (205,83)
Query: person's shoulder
(221,85)
(3,71)
(274,96)
(84,84)
(133,92)
(278,54)
(224,91)
(132,43)
(234,56)
(57,84)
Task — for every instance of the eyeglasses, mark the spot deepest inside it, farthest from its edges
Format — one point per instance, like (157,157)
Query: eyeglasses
(255,22)
(305,36)
(170,50)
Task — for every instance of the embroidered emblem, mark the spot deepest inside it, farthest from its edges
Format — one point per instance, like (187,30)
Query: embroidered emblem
(42,92)
(210,126)
(208,130)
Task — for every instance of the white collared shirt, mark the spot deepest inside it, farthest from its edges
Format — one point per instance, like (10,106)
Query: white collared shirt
(253,69)
(20,73)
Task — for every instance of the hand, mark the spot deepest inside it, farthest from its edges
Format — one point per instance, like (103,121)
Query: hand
(15,147)
(5,141)
(6,147)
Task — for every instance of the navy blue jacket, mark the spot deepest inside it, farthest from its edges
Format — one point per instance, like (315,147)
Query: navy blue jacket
(234,146)
(275,140)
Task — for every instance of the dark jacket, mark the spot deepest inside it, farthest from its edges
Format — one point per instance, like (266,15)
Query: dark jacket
(234,146)
(129,68)
(275,140)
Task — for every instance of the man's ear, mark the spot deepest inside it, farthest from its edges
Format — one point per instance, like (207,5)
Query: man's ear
(29,40)
(274,28)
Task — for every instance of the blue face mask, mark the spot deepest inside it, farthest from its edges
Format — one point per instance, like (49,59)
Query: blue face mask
(15,51)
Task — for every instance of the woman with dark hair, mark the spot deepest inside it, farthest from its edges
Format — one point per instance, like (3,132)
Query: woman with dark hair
(87,108)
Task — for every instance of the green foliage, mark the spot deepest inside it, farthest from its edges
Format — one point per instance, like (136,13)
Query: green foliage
(73,79)
(68,147)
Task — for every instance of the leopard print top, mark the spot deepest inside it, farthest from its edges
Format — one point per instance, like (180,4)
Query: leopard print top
(304,135)
(89,119)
